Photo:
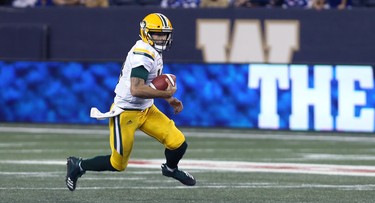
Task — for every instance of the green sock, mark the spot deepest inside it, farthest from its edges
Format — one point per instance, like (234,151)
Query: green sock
(99,163)
(174,156)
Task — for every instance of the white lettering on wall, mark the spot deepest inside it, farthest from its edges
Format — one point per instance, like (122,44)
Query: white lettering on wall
(349,98)
(260,76)
(318,96)
(353,81)
(247,43)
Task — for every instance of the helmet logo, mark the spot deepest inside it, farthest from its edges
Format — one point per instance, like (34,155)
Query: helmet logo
(143,24)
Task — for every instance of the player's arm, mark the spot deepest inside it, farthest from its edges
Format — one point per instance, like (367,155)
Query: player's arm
(139,88)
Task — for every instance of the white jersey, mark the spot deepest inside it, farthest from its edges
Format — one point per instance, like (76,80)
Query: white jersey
(141,54)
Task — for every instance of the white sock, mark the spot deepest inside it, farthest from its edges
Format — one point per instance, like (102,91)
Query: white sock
(169,169)
(80,167)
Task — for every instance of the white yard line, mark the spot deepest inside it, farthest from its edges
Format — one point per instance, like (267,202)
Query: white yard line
(255,186)
(237,134)
(206,165)
(53,130)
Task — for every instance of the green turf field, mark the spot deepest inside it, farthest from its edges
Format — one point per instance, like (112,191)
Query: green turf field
(32,167)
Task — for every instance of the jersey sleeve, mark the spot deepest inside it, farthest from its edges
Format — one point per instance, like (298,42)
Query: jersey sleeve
(139,72)
(143,57)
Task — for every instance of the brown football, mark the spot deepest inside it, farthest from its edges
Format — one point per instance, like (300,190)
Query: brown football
(159,82)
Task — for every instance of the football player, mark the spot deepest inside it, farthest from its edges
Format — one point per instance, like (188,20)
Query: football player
(134,97)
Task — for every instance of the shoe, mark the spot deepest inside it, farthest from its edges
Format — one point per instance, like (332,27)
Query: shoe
(73,172)
(182,176)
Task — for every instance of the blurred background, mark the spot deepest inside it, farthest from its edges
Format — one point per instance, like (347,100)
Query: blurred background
(298,65)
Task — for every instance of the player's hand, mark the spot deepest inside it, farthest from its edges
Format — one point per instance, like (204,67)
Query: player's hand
(176,104)
(170,89)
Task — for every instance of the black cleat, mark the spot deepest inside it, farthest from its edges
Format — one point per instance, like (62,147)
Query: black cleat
(73,172)
(182,176)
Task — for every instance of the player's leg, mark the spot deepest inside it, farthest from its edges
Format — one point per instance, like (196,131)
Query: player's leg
(121,142)
(159,126)
(122,129)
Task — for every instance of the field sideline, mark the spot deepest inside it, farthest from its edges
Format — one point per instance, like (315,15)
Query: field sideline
(230,166)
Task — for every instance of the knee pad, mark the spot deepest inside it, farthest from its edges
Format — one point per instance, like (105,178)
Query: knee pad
(118,163)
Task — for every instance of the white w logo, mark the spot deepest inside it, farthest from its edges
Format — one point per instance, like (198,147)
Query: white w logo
(247,42)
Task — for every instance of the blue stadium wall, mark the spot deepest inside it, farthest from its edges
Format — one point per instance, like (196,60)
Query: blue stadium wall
(56,63)
(250,96)
(81,34)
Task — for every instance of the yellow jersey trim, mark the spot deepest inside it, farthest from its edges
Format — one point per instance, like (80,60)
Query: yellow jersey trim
(144,52)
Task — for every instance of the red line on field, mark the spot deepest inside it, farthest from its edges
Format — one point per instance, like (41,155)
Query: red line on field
(235,166)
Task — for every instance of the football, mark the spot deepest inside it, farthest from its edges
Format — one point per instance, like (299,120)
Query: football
(159,82)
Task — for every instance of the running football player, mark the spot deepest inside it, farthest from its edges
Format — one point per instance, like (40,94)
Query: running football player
(134,108)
